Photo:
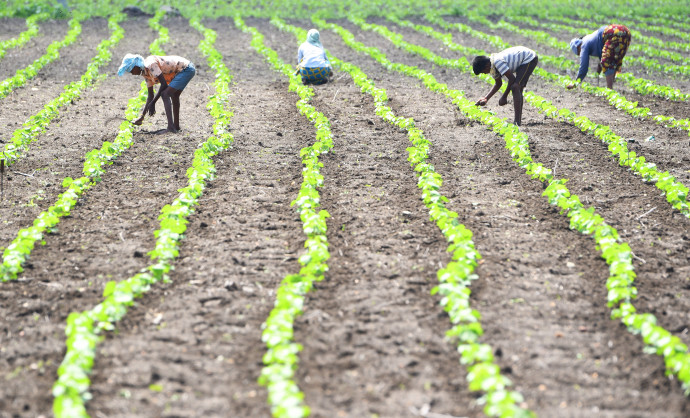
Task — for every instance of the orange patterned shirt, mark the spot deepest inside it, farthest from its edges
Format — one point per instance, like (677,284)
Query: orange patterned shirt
(169,66)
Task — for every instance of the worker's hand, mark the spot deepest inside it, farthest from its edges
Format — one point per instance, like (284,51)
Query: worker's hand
(482,101)
(152,110)
(139,121)
(503,101)
(570,86)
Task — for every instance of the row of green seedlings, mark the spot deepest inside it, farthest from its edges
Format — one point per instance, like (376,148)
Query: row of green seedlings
(52,53)
(281,359)
(646,49)
(650,64)
(617,254)
(614,98)
(37,124)
(653,41)
(95,163)
(640,85)
(483,374)
(85,329)
(658,19)
(676,192)
(24,37)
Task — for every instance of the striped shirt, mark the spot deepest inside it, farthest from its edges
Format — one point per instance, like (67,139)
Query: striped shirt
(510,59)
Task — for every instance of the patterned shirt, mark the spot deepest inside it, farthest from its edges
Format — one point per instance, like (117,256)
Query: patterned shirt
(169,66)
(510,59)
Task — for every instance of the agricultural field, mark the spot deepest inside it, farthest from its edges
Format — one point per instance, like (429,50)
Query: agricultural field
(377,246)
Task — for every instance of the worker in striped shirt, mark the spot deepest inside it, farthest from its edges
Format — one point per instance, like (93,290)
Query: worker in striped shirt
(516,64)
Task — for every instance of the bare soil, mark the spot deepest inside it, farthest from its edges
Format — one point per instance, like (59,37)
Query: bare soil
(373,334)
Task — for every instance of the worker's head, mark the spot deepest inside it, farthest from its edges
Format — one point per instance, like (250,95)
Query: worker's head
(575,45)
(314,38)
(131,63)
(481,64)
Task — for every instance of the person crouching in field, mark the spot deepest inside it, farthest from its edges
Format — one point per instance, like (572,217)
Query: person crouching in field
(172,72)
(516,64)
(610,43)
(312,63)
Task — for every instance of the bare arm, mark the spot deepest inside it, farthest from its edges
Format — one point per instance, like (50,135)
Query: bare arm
(494,89)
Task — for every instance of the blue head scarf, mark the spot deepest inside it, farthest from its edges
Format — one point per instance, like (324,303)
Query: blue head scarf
(314,38)
(129,62)
(574,43)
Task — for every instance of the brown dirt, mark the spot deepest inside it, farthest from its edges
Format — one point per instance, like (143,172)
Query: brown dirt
(373,335)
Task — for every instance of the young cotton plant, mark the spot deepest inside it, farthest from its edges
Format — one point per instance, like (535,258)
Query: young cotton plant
(84,329)
(456,277)
(617,255)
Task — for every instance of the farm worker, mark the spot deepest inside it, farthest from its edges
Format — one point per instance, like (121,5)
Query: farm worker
(609,43)
(312,62)
(516,64)
(172,72)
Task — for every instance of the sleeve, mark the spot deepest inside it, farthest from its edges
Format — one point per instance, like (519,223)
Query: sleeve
(300,55)
(501,66)
(584,62)
(155,70)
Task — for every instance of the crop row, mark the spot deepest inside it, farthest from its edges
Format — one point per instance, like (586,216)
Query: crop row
(640,85)
(280,360)
(614,98)
(84,330)
(676,192)
(52,53)
(24,37)
(617,254)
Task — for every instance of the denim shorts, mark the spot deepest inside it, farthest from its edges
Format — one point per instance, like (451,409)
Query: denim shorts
(181,79)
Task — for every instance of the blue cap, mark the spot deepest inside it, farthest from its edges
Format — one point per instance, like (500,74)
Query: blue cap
(129,62)
(574,43)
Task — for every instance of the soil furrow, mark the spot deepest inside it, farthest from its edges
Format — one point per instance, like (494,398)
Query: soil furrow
(11,27)
(559,327)
(106,238)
